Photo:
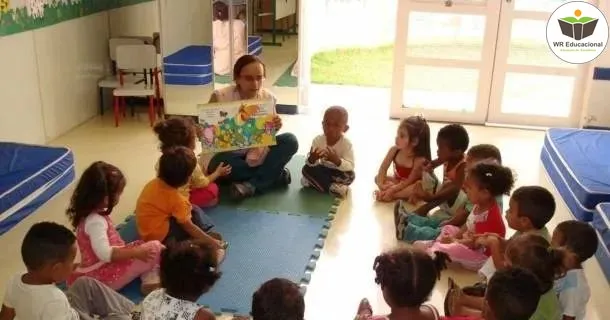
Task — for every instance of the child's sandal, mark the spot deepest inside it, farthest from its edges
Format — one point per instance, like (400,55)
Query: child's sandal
(452,298)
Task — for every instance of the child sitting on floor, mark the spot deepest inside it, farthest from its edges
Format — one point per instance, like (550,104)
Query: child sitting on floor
(529,210)
(513,295)
(200,190)
(409,155)
(48,251)
(412,227)
(579,241)
(528,251)
(452,141)
(330,165)
(104,255)
(164,214)
(407,277)
(484,183)
(188,270)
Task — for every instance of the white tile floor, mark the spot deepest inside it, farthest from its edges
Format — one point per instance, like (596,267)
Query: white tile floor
(361,230)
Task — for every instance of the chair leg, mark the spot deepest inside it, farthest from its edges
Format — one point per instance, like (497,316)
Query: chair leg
(116,110)
(101,92)
(123,107)
(151,110)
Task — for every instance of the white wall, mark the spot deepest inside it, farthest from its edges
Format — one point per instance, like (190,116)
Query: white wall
(137,20)
(49,82)
(596,111)
(184,23)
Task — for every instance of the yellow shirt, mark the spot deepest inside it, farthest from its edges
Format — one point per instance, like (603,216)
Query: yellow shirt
(158,202)
(198,180)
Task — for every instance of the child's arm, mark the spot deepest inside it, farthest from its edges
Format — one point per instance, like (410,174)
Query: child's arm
(182,214)
(204,314)
(446,193)
(7,313)
(459,219)
(96,228)
(385,165)
(221,171)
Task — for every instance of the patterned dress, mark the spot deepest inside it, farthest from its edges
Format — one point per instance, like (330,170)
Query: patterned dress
(158,305)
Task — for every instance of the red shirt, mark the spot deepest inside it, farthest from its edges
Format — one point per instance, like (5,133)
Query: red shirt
(489,221)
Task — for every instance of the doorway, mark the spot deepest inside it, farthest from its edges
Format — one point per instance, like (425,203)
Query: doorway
(482,61)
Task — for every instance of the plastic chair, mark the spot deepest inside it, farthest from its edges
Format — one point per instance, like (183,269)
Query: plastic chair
(136,57)
(112,81)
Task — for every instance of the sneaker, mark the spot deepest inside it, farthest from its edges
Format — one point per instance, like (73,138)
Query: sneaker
(242,190)
(305,182)
(339,190)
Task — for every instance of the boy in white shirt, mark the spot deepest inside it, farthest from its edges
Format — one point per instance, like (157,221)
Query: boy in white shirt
(580,242)
(48,251)
(330,164)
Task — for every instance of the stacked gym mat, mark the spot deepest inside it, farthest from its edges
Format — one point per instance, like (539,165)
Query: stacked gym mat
(578,164)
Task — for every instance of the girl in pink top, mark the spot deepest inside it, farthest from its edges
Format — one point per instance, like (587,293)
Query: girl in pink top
(407,276)
(104,255)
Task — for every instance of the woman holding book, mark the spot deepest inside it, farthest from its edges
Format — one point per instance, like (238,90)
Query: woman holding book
(255,170)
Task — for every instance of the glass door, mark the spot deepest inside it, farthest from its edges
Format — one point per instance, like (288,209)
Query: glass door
(443,59)
(531,86)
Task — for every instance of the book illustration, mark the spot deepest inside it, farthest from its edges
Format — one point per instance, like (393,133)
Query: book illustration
(236,125)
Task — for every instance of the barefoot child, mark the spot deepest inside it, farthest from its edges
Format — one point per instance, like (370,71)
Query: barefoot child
(407,277)
(48,251)
(188,270)
(412,227)
(104,255)
(580,242)
(200,190)
(452,141)
(330,165)
(484,183)
(409,155)
(163,213)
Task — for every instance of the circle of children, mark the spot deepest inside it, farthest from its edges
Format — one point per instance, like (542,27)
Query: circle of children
(529,276)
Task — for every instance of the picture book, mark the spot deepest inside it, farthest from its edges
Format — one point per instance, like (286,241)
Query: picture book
(236,125)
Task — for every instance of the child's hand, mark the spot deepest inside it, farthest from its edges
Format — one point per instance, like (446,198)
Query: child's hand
(277,122)
(144,253)
(223,169)
(316,154)
(331,155)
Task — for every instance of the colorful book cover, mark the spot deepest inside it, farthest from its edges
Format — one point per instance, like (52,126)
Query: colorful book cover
(236,125)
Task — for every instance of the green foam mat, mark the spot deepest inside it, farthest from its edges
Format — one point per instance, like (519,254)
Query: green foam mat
(286,79)
(293,199)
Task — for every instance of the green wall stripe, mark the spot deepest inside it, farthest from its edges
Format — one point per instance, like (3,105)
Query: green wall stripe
(17,20)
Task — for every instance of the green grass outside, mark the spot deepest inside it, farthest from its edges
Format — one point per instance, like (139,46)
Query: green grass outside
(372,67)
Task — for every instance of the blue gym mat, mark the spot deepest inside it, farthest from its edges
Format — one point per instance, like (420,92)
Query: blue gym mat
(262,246)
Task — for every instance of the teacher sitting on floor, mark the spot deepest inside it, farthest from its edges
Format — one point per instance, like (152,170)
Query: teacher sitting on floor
(255,170)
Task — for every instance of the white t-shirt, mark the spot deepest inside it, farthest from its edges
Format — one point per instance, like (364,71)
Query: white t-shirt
(343,148)
(574,293)
(33,302)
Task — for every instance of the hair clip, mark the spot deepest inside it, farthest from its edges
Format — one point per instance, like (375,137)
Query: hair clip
(212,269)
(488,174)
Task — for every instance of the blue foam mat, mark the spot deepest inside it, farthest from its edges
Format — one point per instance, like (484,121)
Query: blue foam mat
(262,246)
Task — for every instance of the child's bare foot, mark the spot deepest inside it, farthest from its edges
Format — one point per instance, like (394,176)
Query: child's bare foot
(220,255)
